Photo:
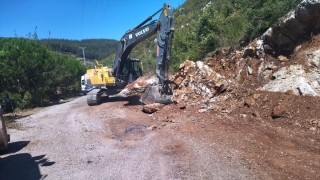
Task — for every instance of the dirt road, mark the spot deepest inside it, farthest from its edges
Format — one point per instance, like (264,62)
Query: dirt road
(115,140)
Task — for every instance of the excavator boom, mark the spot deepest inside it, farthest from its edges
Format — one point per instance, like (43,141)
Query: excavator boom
(126,70)
(161,91)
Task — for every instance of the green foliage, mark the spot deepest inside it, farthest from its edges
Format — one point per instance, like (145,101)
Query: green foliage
(146,52)
(223,23)
(96,49)
(202,26)
(31,73)
(108,60)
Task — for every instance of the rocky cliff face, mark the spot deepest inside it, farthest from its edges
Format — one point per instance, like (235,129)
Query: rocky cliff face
(284,59)
(300,24)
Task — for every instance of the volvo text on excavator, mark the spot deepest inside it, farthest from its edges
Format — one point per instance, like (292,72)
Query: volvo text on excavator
(126,70)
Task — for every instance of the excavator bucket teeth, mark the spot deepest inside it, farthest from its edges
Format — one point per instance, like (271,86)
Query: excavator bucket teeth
(152,95)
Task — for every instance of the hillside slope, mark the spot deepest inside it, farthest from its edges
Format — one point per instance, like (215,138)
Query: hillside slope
(260,65)
(96,49)
(245,113)
(266,95)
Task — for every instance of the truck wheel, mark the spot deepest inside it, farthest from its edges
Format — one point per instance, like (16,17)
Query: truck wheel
(3,134)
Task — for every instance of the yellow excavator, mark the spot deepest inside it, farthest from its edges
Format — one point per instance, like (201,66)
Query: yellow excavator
(125,70)
(97,77)
(101,79)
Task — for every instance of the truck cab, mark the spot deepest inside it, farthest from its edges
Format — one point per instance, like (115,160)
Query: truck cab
(83,84)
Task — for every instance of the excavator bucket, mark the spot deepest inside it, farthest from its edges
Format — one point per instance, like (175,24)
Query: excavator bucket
(152,95)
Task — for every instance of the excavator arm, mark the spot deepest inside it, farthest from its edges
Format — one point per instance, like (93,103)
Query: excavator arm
(124,69)
(163,27)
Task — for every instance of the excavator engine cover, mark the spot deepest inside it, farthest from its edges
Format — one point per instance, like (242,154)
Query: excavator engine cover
(152,95)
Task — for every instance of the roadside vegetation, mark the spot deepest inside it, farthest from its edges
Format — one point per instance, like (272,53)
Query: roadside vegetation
(95,49)
(33,71)
(203,26)
(31,74)
(222,24)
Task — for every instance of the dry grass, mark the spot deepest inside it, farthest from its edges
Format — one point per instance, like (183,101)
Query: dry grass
(10,118)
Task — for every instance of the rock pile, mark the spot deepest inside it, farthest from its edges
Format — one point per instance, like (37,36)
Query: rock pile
(276,61)
(294,79)
(197,83)
(254,66)
(137,87)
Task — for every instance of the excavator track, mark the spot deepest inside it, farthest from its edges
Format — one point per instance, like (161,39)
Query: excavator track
(94,97)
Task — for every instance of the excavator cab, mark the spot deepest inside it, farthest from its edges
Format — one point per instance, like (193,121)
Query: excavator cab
(135,70)
(130,72)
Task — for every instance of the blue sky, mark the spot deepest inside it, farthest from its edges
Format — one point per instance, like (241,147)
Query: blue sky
(76,19)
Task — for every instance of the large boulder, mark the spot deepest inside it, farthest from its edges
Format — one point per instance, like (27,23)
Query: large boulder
(297,25)
(308,12)
(294,79)
(137,87)
(197,82)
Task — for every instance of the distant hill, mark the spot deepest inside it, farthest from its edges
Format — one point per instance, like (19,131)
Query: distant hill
(96,49)
(201,27)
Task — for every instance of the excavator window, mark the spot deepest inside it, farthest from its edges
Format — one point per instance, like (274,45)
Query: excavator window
(136,70)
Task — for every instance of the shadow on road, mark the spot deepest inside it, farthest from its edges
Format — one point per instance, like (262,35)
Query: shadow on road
(16,146)
(132,101)
(22,166)
(11,117)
